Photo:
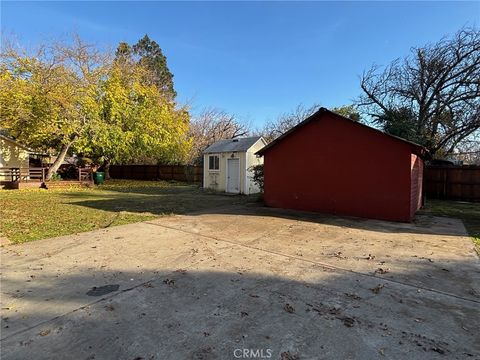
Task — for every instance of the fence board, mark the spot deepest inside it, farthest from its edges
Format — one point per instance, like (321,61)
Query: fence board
(453,182)
(441,182)
(185,173)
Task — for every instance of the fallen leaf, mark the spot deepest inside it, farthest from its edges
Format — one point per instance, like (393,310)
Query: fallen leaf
(377,288)
(289,308)
(348,321)
(287,356)
(334,311)
(439,350)
(44,332)
(353,296)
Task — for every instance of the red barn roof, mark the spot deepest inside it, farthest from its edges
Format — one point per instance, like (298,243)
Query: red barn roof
(416,148)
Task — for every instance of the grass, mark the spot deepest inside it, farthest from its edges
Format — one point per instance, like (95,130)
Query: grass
(469,213)
(35,214)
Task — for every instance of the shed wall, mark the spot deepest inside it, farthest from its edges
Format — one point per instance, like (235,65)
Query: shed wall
(416,189)
(252,160)
(336,166)
(217,179)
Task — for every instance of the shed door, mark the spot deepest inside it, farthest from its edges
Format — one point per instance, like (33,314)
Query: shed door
(233,175)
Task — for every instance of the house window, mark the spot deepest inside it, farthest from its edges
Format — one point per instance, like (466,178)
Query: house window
(213,162)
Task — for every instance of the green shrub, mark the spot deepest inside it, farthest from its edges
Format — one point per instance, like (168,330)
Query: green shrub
(257,175)
(56,177)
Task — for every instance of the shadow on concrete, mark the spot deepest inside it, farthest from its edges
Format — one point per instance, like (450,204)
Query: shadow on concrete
(179,200)
(157,201)
(186,314)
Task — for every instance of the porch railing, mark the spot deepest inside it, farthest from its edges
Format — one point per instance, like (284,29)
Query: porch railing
(33,174)
(9,174)
(85,174)
(13,174)
(37,174)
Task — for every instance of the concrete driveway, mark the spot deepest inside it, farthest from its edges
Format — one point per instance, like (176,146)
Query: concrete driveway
(245,282)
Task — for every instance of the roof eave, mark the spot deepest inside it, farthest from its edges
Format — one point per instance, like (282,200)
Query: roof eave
(16,143)
(417,149)
(206,151)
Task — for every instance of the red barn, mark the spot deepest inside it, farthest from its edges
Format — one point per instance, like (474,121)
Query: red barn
(331,164)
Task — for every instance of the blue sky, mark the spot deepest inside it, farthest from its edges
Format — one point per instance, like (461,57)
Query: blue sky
(254,59)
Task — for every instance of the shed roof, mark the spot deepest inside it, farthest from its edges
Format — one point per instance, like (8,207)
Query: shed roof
(415,148)
(232,145)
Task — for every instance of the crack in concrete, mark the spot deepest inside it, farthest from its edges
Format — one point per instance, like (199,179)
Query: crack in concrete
(325,265)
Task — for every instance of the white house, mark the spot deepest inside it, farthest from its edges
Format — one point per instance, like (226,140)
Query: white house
(13,154)
(227,165)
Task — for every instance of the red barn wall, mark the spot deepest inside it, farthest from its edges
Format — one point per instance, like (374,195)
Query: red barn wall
(332,165)
(416,189)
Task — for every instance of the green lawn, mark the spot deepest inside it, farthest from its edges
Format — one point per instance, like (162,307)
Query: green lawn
(34,214)
(469,213)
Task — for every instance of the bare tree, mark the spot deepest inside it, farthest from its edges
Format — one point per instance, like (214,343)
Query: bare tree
(438,84)
(286,121)
(210,126)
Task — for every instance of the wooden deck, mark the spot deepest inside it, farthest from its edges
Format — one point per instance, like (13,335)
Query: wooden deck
(21,178)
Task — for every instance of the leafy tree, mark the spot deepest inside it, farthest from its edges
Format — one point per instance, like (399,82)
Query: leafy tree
(47,99)
(136,124)
(348,111)
(400,122)
(148,53)
(123,54)
(431,96)
(70,97)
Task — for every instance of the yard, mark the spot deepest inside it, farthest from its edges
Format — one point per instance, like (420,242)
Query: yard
(215,283)
(37,214)
(469,213)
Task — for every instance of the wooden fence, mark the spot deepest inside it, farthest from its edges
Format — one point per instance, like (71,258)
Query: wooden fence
(190,174)
(453,182)
(441,182)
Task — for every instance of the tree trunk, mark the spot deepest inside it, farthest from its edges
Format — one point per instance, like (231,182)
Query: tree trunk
(106,168)
(58,161)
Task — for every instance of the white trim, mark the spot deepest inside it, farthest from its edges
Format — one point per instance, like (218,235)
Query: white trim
(208,162)
(205,167)
(246,185)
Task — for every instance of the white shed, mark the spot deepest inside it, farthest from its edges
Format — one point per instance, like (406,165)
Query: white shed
(227,165)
